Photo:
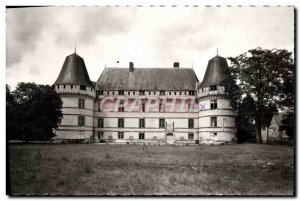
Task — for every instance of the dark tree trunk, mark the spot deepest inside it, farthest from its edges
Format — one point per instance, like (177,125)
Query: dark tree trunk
(258,129)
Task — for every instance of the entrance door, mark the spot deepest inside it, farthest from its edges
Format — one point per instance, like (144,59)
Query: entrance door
(170,138)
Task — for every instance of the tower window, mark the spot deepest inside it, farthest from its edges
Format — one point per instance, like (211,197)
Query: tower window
(191,123)
(81,121)
(121,123)
(213,104)
(81,103)
(142,123)
(213,88)
(141,136)
(213,121)
(120,135)
(161,123)
(100,122)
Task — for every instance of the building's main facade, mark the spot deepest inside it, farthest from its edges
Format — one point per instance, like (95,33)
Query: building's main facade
(145,105)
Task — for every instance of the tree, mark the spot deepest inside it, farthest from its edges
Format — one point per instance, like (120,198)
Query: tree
(37,111)
(10,114)
(245,120)
(268,77)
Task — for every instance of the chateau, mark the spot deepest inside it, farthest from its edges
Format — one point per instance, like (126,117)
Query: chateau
(145,105)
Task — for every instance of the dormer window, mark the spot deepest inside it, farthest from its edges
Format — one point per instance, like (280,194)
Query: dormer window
(213,88)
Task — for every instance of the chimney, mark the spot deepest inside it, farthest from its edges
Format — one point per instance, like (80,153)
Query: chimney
(176,65)
(130,66)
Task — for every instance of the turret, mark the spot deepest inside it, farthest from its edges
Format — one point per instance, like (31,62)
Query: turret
(78,94)
(217,122)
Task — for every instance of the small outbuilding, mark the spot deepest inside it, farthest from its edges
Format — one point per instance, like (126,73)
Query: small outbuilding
(279,129)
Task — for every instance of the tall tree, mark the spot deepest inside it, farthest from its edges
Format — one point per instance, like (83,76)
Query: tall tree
(268,77)
(10,114)
(37,111)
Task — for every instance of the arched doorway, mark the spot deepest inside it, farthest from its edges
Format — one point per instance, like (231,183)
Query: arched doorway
(170,139)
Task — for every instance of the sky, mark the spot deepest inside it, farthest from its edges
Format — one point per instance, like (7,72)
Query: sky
(39,39)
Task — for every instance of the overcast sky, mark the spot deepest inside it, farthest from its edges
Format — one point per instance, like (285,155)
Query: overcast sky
(39,39)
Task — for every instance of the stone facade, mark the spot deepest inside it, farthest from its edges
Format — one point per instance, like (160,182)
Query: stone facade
(126,110)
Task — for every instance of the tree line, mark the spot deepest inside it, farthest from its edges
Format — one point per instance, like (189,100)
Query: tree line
(32,112)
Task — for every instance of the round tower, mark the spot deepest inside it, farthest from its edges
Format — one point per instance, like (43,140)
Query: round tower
(217,119)
(78,94)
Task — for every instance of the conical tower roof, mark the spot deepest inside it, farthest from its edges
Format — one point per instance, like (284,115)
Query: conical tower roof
(74,72)
(216,72)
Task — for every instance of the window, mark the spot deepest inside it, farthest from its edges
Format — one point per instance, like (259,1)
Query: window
(190,107)
(142,123)
(161,109)
(181,138)
(191,123)
(162,93)
(100,135)
(141,136)
(100,122)
(154,137)
(64,86)
(113,93)
(81,120)
(213,88)
(142,93)
(161,123)
(191,93)
(121,123)
(100,92)
(143,106)
(81,103)
(191,136)
(133,93)
(213,121)
(120,135)
(110,137)
(121,92)
(213,104)
(121,106)
(82,87)
(169,93)
(71,86)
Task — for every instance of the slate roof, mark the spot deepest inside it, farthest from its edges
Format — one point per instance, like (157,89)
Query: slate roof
(151,79)
(216,72)
(74,72)
(280,117)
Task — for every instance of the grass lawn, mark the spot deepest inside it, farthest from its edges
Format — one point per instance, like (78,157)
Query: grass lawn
(93,169)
